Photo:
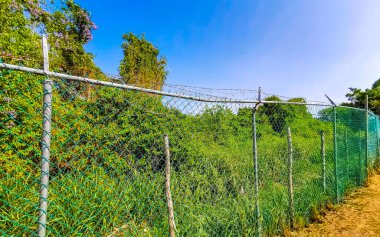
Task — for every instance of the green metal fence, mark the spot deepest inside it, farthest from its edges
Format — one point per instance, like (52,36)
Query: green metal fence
(238,168)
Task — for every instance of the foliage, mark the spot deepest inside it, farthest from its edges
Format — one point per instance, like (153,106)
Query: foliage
(107,163)
(69,27)
(280,116)
(357,96)
(18,43)
(141,65)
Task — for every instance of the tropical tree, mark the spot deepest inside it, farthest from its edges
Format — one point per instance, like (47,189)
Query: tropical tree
(356,97)
(68,26)
(141,65)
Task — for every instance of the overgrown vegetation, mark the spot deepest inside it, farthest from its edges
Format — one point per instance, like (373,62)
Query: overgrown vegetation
(107,162)
(107,158)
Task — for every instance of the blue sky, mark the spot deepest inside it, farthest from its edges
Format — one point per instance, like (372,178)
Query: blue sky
(292,48)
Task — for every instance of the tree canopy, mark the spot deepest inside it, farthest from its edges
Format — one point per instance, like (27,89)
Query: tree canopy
(141,65)
(68,26)
(356,97)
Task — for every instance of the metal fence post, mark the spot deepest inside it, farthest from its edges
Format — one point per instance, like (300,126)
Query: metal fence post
(323,155)
(256,171)
(45,145)
(336,157)
(366,136)
(290,179)
(347,153)
(377,139)
(360,159)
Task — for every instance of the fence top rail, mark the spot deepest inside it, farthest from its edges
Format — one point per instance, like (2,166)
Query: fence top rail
(150,91)
(355,108)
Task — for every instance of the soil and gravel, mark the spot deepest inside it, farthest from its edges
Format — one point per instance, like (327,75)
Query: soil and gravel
(358,215)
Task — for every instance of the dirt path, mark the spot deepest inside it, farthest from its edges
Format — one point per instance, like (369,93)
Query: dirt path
(359,215)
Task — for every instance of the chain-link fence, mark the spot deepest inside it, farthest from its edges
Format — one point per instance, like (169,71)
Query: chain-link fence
(81,157)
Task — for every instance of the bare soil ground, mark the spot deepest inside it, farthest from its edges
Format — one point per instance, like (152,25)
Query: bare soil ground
(358,215)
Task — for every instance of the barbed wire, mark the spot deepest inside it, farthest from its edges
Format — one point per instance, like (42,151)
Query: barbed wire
(215,93)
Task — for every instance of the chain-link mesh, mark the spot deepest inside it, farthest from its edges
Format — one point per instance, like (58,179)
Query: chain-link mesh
(107,161)
(351,149)
(20,131)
